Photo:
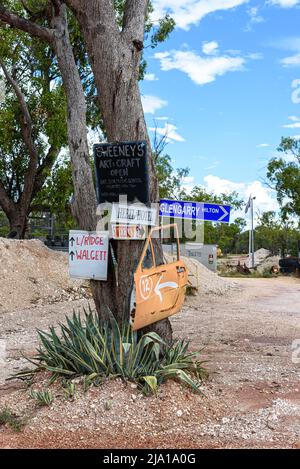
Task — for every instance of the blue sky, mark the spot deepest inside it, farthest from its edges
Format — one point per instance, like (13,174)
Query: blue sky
(225,87)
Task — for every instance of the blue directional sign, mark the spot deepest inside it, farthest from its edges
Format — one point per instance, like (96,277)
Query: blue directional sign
(195,210)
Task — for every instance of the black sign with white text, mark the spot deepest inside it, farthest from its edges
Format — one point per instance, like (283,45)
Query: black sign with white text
(121,169)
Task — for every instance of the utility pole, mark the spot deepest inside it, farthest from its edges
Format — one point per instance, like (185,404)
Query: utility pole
(251,231)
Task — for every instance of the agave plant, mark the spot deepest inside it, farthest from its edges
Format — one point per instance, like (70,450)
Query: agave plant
(96,349)
(43,398)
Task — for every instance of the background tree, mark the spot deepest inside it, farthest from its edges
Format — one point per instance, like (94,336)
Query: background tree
(283,175)
(32,119)
(115,55)
(277,234)
(56,194)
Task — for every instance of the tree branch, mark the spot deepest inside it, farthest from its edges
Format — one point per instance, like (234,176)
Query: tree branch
(6,16)
(41,175)
(103,10)
(5,202)
(26,125)
(134,20)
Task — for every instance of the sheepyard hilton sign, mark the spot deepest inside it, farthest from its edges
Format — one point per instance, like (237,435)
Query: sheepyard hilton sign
(121,169)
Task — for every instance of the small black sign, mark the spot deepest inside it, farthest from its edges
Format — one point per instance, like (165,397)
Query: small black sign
(121,169)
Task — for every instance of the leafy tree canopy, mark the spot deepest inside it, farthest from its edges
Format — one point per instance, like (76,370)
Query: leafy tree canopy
(283,175)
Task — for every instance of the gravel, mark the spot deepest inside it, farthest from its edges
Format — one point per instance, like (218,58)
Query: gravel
(206,282)
(31,274)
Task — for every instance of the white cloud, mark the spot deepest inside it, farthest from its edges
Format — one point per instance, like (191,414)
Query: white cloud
(291,61)
(170,131)
(295,125)
(263,145)
(295,96)
(255,56)
(201,70)
(254,17)
(163,118)
(212,166)
(191,12)
(210,48)
(188,183)
(150,77)
(284,3)
(151,104)
(265,197)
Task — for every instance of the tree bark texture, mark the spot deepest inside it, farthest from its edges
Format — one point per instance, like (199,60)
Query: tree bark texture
(115,55)
(115,59)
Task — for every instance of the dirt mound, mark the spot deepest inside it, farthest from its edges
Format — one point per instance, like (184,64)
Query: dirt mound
(204,280)
(260,255)
(31,274)
(267,263)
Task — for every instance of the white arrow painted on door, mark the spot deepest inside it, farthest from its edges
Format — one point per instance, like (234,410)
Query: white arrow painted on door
(224,214)
(159,286)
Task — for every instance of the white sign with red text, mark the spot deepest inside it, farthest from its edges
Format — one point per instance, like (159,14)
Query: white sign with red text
(88,254)
(131,232)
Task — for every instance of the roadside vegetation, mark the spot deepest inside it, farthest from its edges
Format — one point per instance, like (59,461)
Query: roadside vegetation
(11,420)
(97,350)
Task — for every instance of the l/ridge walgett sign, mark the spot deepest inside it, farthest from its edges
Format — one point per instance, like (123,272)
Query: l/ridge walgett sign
(88,254)
(121,169)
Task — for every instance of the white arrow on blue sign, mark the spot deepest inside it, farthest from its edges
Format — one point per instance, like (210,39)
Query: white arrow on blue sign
(195,210)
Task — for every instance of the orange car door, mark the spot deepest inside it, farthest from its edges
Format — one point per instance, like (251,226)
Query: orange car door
(159,291)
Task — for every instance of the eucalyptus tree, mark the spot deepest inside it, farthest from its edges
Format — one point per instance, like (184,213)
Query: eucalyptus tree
(32,121)
(283,175)
(114,35)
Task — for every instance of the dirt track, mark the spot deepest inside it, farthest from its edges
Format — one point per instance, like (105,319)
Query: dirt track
(251,400)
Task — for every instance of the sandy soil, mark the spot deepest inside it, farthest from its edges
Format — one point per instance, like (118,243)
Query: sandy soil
(252,398)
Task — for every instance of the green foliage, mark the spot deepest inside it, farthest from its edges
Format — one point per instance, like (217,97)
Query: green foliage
(86,346)
(4,226)
(170,181)
(283,174)
(276,234)
(171,187)
(273,232)
(7,417)
(32,65)
(57,191)
(224,235)
(163,30)
(70,389)
(43,398)
(108,404)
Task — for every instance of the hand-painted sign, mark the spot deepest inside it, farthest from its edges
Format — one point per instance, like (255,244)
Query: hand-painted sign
(133,214)
(88,254)
(121,169)
(159,290)
(195,210)
(128,232)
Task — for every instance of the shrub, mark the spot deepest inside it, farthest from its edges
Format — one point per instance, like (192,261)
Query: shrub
(43,398)
(94,349)
(7,417)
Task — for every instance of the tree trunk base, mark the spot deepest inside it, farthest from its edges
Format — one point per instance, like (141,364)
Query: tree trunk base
(162,328)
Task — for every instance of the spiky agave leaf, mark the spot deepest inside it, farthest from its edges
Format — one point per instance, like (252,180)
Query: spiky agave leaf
(96,349)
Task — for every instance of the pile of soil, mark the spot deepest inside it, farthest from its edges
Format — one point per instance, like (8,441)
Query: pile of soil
(31,274)
(267,263)
(260,255)
(103,415)
(204,281)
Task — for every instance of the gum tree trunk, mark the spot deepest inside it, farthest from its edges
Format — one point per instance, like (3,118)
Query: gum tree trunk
(115,59)
(115,56)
